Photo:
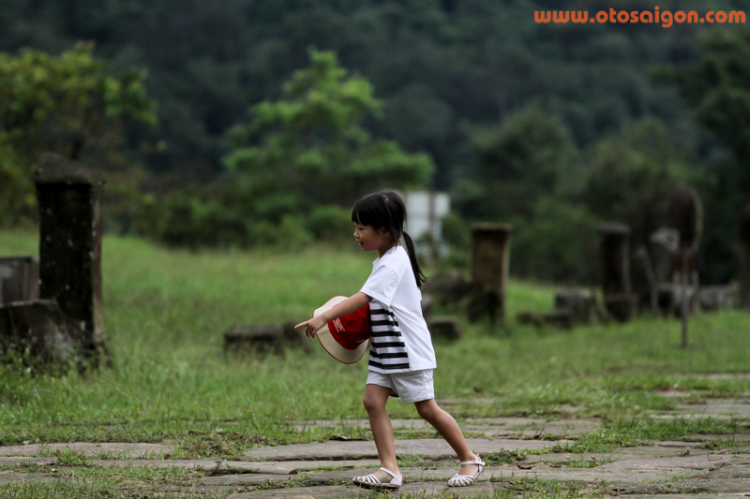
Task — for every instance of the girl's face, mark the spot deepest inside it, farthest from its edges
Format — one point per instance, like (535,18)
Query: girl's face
(370,239)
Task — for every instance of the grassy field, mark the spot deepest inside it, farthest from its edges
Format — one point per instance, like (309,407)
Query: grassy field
(166,312)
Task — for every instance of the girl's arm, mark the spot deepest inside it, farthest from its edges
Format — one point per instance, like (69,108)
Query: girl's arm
(346,307)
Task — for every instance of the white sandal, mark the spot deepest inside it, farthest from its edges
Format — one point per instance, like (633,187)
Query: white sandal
(373,481)
(466,480)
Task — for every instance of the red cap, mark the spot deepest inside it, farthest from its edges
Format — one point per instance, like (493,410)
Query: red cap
(346,338)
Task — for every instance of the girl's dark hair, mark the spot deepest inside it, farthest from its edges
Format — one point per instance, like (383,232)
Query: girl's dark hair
(385,209)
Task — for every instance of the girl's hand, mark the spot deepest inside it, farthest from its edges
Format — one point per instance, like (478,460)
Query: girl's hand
(312,326)
(351,304)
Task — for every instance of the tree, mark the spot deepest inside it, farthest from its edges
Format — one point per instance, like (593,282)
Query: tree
(630,177)
(69,104)
(441,68)
(557,243)
(310,147)
(717,88)
(528,156)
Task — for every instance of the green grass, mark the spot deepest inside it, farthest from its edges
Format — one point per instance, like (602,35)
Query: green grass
(75,478)
(166,312)
(76,481)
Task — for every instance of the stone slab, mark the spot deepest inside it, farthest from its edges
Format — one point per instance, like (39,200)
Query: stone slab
(740,439)
(261,467)
(571,460)
(701,462)
(737,409)
(246,480)
(709,487)
(490,427)
(198,464)
(433,483)
(438,476)
(398,424)
(528,427)
(591,475)
(670,449)
(419,489)
(431,447)
(732,471)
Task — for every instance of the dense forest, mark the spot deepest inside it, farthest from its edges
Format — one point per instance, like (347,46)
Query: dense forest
(550,127)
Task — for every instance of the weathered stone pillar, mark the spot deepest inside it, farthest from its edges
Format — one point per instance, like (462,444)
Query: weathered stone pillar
(490,262)
(744,237)
(644,281)
(619,299)
(70,244)
(685,215)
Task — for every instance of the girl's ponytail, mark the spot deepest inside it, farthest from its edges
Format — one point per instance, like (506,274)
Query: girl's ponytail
(418,274)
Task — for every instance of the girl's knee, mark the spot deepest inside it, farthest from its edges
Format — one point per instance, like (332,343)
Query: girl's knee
(372,403)
(428,409)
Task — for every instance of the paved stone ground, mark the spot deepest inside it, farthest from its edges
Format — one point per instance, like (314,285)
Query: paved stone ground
(660,470)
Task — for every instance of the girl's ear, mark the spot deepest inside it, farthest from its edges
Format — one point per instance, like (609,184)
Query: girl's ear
(383,232)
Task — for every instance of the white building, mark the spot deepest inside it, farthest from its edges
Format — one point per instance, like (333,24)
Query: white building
(426,210)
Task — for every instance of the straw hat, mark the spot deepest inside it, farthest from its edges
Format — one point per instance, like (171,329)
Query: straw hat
(346,338)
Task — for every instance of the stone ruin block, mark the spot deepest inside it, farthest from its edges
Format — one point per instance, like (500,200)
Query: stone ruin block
(527,317)
(580,304)
(619,299)
(444,328)
(555,318)
(713,298)
(668,294)
(685,215)
(59,317)
(448,287)
(558,318)
(19,279)
(622,306)
(644,281)
(667,299)
(263,339)
(41,335)
(572,307)
(615,252)
(489,270)
(70,244)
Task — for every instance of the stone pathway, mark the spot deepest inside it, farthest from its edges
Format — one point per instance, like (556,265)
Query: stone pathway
(660,470)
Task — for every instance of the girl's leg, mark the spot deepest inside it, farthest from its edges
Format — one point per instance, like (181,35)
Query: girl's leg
(446,425)
(382,429)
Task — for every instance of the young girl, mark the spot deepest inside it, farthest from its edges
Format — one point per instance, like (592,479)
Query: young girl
(401,354)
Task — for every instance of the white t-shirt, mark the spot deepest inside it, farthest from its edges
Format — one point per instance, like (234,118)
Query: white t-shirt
(400,341)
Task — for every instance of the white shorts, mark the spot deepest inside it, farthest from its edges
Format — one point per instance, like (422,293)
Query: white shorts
(414,386)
